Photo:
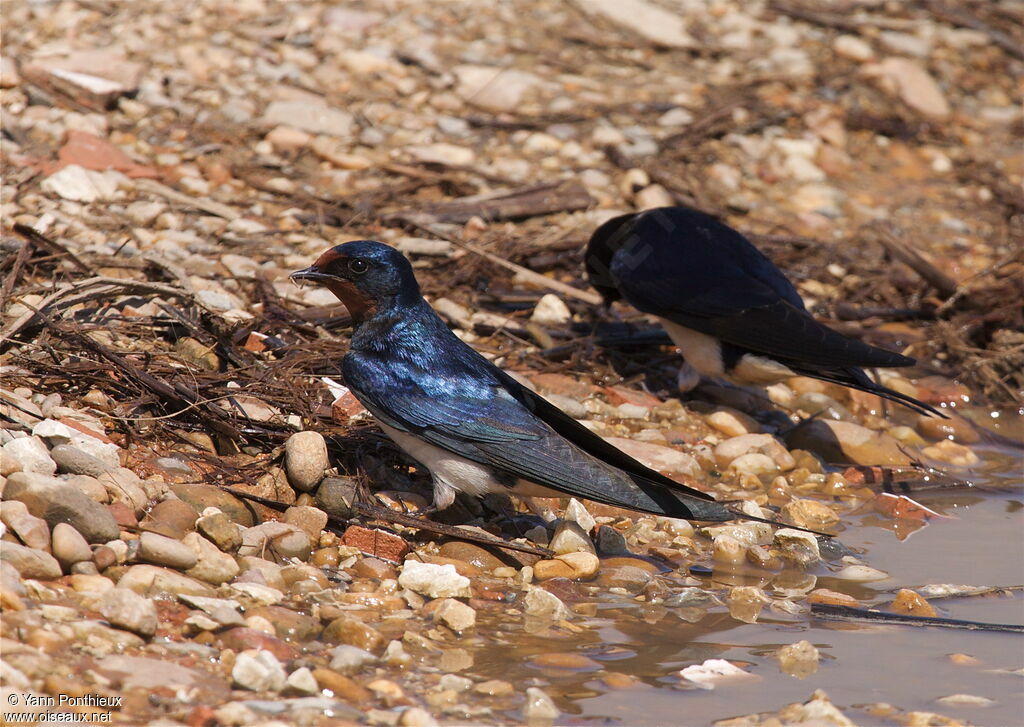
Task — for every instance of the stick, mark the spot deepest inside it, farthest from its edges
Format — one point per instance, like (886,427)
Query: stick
(383,513)
(832,612)
(585,295)
(532,201)
(30,233)
(199,203)
(942,283)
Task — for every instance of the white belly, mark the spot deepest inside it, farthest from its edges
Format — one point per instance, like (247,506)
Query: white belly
(699,349)
(452,473)
(704,353)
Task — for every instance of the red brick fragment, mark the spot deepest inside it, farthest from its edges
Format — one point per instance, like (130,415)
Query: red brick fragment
(621,395)
(377,543)
(93,152)
(79,427)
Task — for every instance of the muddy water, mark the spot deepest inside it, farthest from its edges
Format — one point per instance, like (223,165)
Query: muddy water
(861,665)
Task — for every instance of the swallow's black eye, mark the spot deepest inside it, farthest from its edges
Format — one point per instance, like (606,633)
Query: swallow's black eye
(358,266)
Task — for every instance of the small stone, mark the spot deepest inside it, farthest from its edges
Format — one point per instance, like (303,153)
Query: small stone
(335,496)
(212,565)
(651,22)
(797,547)
(173,518)
(539,708)
(259,671)
(569,537)
(652,197)
(311,520)
(351,631)
(78,184)
(341,686)
(455,615)
(73,460)
(302,680)
(809,514)
(633,578)
(470,553)
(547,569)
(912,603)
(150,580)
(834,598)
(203,496)
(799,660)
(582,564)
(32,453)
(853,48)
(715,672)
(348,659)
(579,514)
(126,609)
(161,550)
(746,602)
(913,84)
(837,441)
(966,700)
(551,311)
(56,502)
(754,463)
(542,604)
(306,460)
(69,547)
(494,688)
(417,717)
(30,530)
(311,115)
(732,423)
(434,581)
(952,453)
(728,550)
(657,457)
(494,88)
(219,529)
(860,573)
(29,562)
(442,153)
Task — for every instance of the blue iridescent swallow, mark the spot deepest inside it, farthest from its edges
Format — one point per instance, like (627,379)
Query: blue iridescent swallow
(472,425)
(731,312)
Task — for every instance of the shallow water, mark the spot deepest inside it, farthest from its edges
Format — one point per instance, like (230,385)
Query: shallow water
(908,667)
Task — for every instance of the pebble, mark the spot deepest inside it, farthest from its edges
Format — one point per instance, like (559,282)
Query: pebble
(310,520)
(808,514)
(861,574)
(544,605)
(335,496)
(455,615)
(966,700)
(569,537)
(29,562)
(434,581)
(32,453)
(539,708)
(957,429)
(837,441)
(30,530)
(69,547)
(797,547)
(728,550)
(56,502)
(259,671)
(201,497)
(799,660)
(305,458)
(912,84)
(472,554)
(173,518)
(212,565)
(126,609)
(734,448)
(73,460)
(551,311)
(341,686)
(952,453)
(651,22)
(220,530)
(579,514)
(732,423)
(853,48)
(663,459)
(477,85)
(312,115)
(349,659)
(352,631)
(582,564)
(632,578)
(150,580)
(745,603)
(161,550)
(302,680)
(911,602)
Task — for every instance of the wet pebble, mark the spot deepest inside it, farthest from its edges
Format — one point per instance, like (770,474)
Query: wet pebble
(220,530)
(746,602)
(352,631)
(911,602)
(569,537)
(539,708)
(542,604)
(433,580)
(799,660)
(809,514)
(259,671)
(211,564)
(796,547)
(455,615)
(173,518)
(151,579)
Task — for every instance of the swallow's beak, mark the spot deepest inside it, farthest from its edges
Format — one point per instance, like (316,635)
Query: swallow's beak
(310,273)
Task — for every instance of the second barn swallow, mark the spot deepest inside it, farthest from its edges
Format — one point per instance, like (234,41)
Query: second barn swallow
(472,425)
(731,312)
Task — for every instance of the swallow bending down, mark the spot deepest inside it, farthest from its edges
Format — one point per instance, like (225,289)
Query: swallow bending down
(472,425)
(731,312)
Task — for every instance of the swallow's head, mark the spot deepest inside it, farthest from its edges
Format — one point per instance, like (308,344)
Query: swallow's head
(367,276)
(604,243)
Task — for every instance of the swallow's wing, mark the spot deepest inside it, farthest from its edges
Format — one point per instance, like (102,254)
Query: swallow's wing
(479,419)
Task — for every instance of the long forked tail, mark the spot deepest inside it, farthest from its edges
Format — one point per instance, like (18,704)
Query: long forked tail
(856,379)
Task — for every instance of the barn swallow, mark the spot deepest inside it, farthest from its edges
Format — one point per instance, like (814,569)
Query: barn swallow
(731,312)
(475,428)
